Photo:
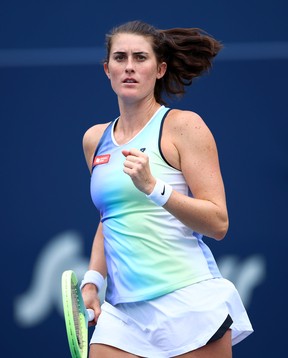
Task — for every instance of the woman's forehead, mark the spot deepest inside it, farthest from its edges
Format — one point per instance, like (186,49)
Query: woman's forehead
(131,42)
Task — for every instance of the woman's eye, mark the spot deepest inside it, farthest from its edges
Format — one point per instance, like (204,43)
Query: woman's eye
(141,58)
(119,57)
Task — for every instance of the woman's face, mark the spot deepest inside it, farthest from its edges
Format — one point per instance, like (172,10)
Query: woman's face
(132,67)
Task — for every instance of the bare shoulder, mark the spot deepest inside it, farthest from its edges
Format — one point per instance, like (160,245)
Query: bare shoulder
(188,128)
(91,139)
(187,122)
(93,134)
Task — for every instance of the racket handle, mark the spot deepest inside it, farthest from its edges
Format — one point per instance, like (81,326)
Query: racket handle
(90,314)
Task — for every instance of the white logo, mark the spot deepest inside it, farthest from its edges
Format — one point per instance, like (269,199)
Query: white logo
(63,252)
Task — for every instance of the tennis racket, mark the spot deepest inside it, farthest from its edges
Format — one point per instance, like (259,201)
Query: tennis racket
(76,315)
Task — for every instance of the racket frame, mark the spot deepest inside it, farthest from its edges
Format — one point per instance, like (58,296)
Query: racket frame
(69,283)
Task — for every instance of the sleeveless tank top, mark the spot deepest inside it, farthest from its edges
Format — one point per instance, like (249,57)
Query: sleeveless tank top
(148,251)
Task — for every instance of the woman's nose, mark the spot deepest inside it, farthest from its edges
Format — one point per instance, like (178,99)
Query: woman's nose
(129,67)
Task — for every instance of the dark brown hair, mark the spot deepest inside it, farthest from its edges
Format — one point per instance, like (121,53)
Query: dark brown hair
(188,53)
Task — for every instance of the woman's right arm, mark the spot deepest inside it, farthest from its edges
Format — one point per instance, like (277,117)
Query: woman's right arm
(97,259)
(97,263)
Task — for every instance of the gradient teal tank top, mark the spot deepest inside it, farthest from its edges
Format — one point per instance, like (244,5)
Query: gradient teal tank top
(148,251)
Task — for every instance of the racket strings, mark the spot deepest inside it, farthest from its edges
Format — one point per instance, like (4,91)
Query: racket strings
(76,317)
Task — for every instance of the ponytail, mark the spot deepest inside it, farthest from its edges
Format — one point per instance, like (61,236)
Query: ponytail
(188,53)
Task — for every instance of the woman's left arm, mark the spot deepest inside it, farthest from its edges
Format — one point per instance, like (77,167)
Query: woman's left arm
(206,212)
(189,146)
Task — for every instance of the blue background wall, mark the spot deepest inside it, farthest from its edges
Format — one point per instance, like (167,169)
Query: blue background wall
(52,89)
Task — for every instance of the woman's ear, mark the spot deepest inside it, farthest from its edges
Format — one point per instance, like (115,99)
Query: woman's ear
(161,70)
(106,69)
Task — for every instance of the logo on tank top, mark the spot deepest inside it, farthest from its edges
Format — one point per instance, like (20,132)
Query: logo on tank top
(101,159)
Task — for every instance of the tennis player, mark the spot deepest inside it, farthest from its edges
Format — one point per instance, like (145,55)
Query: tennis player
(156,181)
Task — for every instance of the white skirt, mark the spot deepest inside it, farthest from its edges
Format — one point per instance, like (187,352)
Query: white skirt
(174,324)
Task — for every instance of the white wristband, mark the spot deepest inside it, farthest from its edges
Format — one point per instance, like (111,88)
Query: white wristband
(93,277)
(161,193)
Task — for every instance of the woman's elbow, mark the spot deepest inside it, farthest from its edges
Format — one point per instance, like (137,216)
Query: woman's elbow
(221,231)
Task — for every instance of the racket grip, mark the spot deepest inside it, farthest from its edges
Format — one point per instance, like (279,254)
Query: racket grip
(90,314)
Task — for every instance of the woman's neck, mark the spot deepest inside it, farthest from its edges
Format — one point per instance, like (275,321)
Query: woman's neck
(133,118)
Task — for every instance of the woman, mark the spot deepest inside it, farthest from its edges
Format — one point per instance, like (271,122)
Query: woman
(156,181)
